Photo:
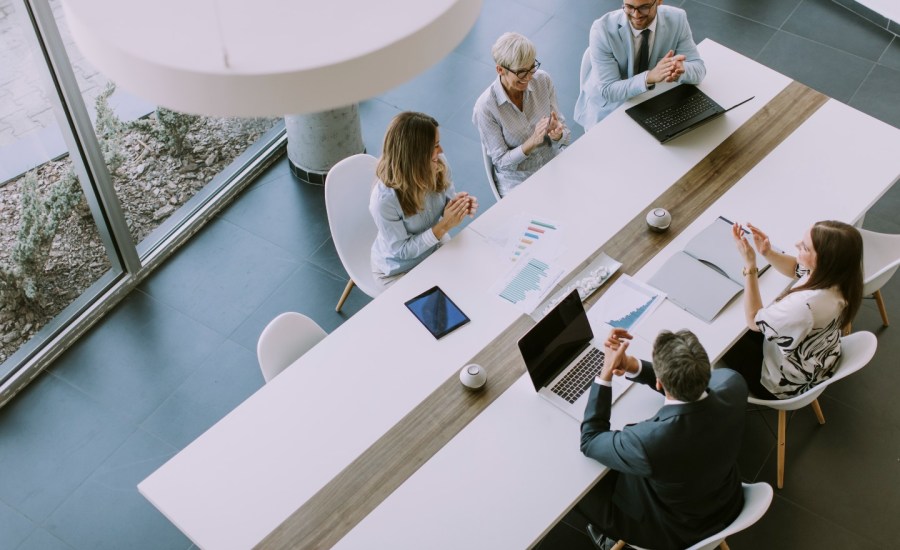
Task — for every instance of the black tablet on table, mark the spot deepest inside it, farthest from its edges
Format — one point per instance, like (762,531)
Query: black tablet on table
(437,312)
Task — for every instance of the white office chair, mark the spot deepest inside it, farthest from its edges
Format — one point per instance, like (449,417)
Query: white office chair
(757,498)
(284,339)
(347,190)
(489,171)
(881,259)
(856,351)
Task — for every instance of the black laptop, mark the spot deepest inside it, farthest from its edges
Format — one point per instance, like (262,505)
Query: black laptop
(676,111)
(562,359)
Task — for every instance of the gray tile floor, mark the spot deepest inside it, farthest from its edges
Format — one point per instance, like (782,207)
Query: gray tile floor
(179,352)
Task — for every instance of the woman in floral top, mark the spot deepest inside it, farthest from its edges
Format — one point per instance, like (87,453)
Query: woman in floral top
(799,335)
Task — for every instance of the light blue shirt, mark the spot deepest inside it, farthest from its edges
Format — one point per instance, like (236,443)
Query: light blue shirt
(404,241)
(607,67)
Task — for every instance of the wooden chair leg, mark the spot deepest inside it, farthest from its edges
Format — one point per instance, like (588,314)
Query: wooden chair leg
(818,410)
(346,293)
(782,428)
(724,546)
(880,301)
(619,545)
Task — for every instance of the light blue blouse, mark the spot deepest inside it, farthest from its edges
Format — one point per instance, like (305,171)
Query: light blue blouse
(404,241)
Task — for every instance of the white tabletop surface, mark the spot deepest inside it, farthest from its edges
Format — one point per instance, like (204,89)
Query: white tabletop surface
(243,477)
(517,468)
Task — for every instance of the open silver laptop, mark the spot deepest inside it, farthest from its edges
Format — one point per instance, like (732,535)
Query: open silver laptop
(562,359)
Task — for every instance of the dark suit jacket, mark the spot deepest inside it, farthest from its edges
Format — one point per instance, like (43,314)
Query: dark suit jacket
(678,480)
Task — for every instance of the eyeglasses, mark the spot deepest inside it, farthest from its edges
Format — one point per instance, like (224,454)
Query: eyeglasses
(644,9)
(522,73)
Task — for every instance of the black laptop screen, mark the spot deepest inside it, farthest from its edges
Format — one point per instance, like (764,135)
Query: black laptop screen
(556,340)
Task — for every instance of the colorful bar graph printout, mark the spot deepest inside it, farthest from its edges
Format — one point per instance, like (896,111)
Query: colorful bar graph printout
(533,234)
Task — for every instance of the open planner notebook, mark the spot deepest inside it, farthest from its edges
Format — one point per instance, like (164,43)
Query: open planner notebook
(707,274)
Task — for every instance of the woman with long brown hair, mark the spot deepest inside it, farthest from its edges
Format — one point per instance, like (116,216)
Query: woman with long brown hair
(413,202)
(800,333)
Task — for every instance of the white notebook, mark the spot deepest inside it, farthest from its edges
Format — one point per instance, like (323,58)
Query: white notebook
(707,274)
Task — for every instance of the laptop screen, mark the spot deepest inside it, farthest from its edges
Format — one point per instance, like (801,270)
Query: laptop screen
(556,340)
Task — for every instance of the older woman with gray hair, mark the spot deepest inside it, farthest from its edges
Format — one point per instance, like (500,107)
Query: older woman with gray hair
(518,116)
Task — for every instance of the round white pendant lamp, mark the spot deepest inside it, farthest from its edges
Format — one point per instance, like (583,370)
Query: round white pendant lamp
(265,57)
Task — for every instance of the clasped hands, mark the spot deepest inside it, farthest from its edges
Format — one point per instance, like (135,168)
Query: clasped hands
(457,208)
(669,69)
(460,206)
(616,361)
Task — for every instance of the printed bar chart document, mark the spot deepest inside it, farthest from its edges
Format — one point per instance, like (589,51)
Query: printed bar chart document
(533,235)
(626,302)
(527,283)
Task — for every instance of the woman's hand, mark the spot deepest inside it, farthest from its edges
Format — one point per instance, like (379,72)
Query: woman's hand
(746,251)
(473,204)
(458,208)
(760,240)
(555,128)
(537,136)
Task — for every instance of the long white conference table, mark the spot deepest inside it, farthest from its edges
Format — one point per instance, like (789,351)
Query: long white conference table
(369,441)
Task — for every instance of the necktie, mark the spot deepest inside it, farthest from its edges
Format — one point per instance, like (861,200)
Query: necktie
(643,56)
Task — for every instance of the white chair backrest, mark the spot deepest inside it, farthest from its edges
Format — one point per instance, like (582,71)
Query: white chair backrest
(348,187)
(489,171)
(757,498)
(881,258)
(857,350)
(285,339)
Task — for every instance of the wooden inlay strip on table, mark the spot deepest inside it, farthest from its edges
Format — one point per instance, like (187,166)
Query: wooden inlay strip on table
(358,489)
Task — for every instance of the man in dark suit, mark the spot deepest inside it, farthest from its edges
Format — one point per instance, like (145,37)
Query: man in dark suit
(674,478)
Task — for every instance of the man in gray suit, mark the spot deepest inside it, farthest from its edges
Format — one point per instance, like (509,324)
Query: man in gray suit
(674,478)
(629,52)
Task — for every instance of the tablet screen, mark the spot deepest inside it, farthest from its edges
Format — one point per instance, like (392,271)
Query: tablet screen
(437,312)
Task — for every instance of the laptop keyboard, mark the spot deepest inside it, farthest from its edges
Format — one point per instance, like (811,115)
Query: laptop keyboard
(676,114)
(578,379)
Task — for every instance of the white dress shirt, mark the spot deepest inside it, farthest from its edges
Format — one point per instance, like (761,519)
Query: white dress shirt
(504,128)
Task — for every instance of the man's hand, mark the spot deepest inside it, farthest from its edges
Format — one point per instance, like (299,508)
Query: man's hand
(615,362)
(669,69)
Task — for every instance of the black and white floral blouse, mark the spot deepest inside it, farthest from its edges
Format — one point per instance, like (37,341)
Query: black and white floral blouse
(801,340)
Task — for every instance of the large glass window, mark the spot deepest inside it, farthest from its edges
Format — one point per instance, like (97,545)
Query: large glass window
(158,159)
(79,226)
(51,252)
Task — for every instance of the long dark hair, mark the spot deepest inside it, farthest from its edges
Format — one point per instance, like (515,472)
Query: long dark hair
(405,164)
(839,252)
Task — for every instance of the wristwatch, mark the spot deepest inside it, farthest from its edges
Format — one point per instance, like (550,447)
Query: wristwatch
(749,271)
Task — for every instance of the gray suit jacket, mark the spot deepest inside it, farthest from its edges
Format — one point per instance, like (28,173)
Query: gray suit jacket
(607,67)
(678,480)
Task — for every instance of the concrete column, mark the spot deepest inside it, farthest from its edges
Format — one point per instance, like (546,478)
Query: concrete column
(318,141)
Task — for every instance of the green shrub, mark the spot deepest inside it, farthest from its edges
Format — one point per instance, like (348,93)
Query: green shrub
(173,129)
(169,128)
(109,130)
(41,216)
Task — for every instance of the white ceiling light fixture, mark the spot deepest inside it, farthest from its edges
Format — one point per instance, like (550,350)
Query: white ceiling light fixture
(265,57)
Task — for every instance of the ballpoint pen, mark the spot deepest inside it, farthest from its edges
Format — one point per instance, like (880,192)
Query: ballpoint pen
(743,229)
